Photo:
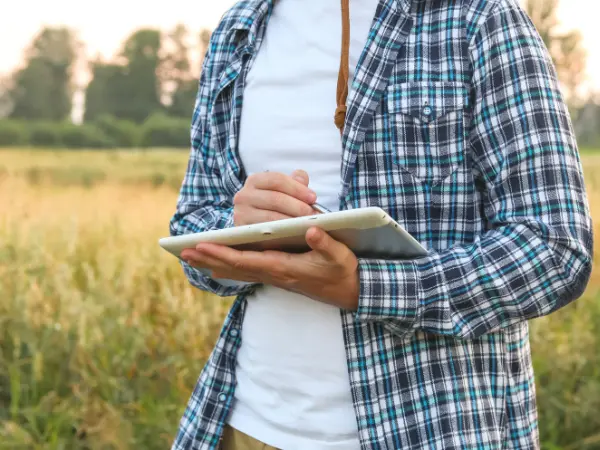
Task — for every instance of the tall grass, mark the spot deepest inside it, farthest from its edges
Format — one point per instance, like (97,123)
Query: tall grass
(102,338)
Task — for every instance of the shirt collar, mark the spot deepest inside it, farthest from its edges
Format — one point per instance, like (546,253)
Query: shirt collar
(251,16)
(254,12)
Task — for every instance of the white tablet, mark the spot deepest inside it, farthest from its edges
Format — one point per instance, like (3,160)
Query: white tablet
(369,232)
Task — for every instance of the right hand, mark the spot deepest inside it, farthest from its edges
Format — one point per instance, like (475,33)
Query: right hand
(270,196)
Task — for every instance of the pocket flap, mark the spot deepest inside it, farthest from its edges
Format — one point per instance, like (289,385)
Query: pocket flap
(427,100)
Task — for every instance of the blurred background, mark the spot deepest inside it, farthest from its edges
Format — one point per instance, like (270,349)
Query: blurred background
(101,338)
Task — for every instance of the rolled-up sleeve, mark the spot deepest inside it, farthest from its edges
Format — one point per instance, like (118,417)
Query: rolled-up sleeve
(203,202)
(537,255)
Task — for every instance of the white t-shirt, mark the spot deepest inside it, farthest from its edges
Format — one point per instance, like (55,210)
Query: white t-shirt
(293,390)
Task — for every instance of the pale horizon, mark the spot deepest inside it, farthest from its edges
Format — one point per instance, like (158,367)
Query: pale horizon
(103,32)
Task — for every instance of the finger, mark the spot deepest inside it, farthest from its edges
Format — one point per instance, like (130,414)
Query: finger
(218,268)
(274,181)
(247,215)
(324,244)
(279,203)
(200,260)
(300,176)
(253,263)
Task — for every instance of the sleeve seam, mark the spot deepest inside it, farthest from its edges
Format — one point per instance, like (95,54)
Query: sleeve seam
(493,10)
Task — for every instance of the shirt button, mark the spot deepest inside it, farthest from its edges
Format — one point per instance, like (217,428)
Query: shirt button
(427,111)
(222,397)
(234,332)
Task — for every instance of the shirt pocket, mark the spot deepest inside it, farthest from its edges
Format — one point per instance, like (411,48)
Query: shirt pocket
(427,127)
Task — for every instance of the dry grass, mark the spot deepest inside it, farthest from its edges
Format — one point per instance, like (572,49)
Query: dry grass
(566,353)
(591,166)
(101,337)
(88,168)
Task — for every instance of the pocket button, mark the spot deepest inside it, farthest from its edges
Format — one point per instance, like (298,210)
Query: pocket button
(427,112)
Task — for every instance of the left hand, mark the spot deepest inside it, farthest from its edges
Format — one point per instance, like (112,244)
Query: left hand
(328,273)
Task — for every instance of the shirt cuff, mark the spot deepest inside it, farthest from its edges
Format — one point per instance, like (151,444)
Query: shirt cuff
(390,293)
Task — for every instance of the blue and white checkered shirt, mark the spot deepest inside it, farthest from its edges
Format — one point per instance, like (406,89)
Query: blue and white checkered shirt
(456,127)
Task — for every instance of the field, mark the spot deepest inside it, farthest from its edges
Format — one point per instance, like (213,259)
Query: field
(101,337)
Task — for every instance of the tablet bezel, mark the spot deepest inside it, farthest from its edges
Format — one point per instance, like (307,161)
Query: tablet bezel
(257,236)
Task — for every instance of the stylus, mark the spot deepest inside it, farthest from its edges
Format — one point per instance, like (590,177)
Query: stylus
(320,208)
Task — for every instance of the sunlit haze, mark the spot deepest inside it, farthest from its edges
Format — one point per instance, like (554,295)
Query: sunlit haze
(102,26)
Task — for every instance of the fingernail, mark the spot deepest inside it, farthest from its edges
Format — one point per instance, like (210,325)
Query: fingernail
(298,179)
(312,197)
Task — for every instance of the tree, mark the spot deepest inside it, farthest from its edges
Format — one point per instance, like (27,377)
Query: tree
(565,47)
(179,85)
(183,99)
(587,123)
(5,98)
(128,88)
(43,88)
(204,40)
(106,91)
(142,62)
(151,74)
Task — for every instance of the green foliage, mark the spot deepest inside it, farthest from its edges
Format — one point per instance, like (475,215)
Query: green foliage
(84,136)
(106,93)
(128,88)
(106,132)
(42,89)
(44,134)
(6,103)
(183,99)
(123,133)
(587,124)
(12,133)
(566,352)
(163,131)
(179,85)
(150,74)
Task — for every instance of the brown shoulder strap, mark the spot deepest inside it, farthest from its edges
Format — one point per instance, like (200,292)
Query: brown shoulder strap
(344,73)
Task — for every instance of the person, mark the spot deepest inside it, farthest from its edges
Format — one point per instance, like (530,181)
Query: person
(446,114)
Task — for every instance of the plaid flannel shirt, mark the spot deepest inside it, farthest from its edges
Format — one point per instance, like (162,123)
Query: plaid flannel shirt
(456,127)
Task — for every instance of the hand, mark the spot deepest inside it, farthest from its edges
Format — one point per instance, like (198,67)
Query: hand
(270,196)
(328,273)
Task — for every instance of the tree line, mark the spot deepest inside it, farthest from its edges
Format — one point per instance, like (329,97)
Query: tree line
(144,95)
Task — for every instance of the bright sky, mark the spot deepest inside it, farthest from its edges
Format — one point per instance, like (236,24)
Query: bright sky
(103,25)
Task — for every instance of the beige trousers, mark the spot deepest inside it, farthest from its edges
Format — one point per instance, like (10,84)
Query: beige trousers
(236,440)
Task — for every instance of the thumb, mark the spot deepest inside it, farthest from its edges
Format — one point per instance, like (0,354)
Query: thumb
(324,244)
(300,176)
